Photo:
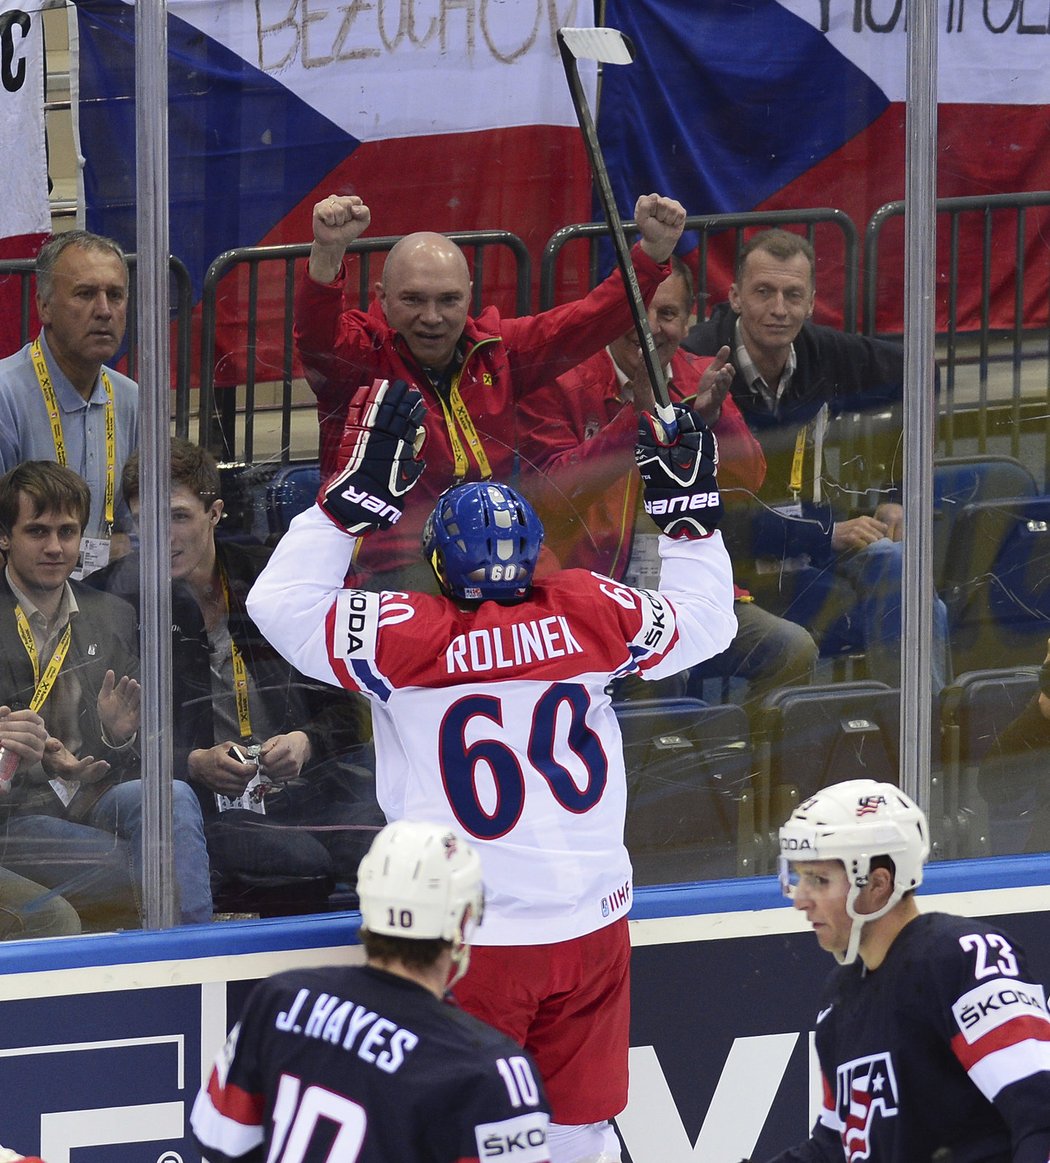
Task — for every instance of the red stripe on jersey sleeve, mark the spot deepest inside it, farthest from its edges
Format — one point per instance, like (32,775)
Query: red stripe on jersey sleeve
(240,1106)
(1010,1033)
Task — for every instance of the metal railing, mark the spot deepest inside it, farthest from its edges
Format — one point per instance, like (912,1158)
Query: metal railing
(707,225)
(181,316)
(1011,346)
(218,405)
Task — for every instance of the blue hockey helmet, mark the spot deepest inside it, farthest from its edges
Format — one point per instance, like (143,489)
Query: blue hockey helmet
(482,541)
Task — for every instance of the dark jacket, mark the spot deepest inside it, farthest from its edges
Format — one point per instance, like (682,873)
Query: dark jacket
(103,638)
(333,720)
(849,373)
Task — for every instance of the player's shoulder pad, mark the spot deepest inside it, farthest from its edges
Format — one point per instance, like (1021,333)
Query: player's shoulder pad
(657,628)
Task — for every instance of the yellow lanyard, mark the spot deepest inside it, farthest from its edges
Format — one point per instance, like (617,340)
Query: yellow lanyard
(43,685)
(455,412)
(795,483)
(55,419)
(240,671)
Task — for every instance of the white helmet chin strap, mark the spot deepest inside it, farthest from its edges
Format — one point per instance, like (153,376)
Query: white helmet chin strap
(460,951)
(861,919)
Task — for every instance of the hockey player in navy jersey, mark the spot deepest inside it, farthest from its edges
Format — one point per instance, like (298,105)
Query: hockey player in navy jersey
(491,716)
(933,1038)
(371,1064)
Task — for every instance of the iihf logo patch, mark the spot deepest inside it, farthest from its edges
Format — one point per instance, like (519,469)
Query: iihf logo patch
(864,1089)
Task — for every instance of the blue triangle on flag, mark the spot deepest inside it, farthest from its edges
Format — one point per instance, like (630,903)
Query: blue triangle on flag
(243,149)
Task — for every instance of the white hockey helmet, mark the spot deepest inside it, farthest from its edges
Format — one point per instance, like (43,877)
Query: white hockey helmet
(854,822)
(422,881)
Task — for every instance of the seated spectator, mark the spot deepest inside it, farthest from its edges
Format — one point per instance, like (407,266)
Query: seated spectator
(832,557)
(30,910)
(581,436)
(1012,776)
(288,808)
(57,399)
(27,909)
(74,819)
(472,371)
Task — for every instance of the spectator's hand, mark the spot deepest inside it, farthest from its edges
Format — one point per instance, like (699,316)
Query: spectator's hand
(858,533)
(118,707)
(892,516)
(714,387)
(337,221)
(284,756)
(60,763)
(24,733)
(218,771)
(380,454)
(661,222)
(681,489)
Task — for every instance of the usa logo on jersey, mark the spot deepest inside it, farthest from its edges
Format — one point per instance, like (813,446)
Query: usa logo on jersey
(865,1089)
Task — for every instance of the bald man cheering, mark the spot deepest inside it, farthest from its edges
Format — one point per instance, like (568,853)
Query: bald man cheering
(471,370)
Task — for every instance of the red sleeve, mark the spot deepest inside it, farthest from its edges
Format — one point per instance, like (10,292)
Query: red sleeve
(333,343)
(542,347)
(741,462)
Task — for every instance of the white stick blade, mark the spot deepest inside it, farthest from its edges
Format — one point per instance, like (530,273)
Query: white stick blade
(608,45)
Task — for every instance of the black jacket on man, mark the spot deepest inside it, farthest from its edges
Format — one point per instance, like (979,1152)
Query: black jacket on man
(333,721)
(849,373)
(102,637)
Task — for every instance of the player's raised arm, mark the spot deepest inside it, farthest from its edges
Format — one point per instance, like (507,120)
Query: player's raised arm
(380,461)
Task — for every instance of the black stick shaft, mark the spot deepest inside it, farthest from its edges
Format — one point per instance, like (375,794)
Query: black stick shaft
(623,254)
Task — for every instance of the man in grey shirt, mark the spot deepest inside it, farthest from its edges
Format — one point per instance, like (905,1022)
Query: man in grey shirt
(58,400)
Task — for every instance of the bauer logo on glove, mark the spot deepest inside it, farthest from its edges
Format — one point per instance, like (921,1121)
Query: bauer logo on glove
(380,454)
(681,487)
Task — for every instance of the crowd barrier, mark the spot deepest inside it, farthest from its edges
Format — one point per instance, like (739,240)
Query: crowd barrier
(987,399)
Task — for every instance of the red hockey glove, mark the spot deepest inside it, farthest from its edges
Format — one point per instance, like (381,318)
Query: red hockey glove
(681,486)
(380,449)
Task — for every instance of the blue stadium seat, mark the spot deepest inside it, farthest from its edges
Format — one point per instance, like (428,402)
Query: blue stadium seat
(689,807)
(959,481)
(997,583)
(292,490)
(977,707)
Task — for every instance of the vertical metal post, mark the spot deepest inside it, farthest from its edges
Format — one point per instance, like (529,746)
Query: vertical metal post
(920,253)
(152,247)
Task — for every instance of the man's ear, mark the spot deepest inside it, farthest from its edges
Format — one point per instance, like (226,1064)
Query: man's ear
(880,884)
(812,304)
(734,297)
(380,291)
(215,512)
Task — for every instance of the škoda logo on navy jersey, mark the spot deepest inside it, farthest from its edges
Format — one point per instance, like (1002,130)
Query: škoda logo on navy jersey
(865,1089)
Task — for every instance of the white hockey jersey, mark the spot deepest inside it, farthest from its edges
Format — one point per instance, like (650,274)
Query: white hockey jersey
(495,720)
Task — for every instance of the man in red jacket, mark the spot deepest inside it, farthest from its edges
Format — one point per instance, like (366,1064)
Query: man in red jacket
(471,371)
(579,437)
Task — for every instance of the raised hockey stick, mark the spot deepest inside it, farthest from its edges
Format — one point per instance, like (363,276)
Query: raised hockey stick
(610,46)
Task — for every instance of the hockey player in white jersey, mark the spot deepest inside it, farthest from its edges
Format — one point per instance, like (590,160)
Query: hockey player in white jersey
(491,715)
(933,1038)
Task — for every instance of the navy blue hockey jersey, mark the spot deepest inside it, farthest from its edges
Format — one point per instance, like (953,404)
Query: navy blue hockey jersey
(944,1048)
(354,1064)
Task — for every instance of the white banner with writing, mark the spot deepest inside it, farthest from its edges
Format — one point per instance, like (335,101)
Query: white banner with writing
(23,174)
